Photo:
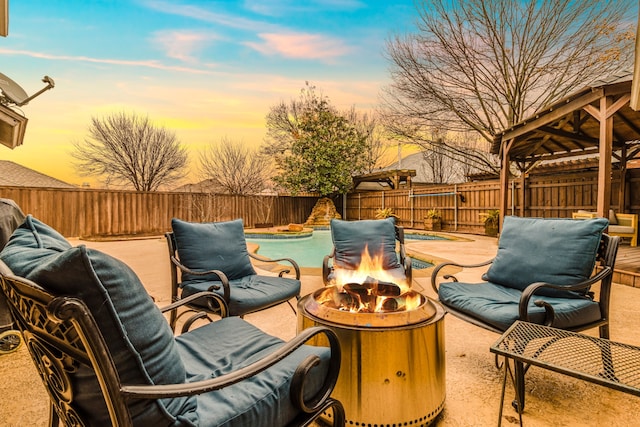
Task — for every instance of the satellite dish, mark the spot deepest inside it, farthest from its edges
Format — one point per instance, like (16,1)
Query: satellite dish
(12,122)
(12,90)
(12,93)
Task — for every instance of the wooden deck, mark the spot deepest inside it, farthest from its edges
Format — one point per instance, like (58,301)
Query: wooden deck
(627,268)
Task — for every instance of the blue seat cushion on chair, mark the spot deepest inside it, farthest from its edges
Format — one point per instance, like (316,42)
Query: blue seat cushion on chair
(212,246)
(557,251)
(137,334)
(264,400)
(250,293)
(498,305)
(350,238)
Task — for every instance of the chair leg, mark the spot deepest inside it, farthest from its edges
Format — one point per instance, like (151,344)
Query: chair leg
(54,420)
(507,374)
(292,307)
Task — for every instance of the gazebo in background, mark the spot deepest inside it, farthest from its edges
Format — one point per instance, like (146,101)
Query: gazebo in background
(391,178)
(596,120)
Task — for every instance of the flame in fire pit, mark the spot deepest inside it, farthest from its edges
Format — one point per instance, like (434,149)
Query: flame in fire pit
(369,289)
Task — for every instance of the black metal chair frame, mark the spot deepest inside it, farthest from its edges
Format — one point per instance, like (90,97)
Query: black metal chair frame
(405,260)
(177,268)
(61,335)
(605,260)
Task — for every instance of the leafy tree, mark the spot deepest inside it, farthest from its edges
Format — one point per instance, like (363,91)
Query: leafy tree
(315,148)
(234,168)
(482,66)
(129,150)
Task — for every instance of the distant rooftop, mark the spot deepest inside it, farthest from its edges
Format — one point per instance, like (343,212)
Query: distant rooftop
(15,175)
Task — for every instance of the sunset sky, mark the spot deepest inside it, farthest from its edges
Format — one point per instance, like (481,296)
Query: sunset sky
(203,69)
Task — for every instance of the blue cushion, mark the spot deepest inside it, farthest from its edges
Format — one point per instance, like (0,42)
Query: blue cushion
(498,306)
(35,235)
(251,293)
(351,237)
(557,251)
(263,400)
(212,246)
(137,334)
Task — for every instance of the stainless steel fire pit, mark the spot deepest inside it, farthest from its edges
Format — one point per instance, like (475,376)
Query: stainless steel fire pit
(393,363)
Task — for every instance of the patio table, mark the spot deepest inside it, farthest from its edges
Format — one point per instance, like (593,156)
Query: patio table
(611,364)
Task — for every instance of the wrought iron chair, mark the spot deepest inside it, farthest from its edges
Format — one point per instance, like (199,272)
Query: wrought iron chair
(107,355)
(214,257)
(379,237)
(542,273)
(11,217)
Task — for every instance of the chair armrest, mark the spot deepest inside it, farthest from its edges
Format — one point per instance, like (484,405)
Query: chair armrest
(530,291)
(584,215)
(211,296)
(436,271)
(628,220)
(327,267)
(285,271)
(223,277)
(297,386)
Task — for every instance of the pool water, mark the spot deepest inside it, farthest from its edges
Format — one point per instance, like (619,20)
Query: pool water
(310,251)
(307,252)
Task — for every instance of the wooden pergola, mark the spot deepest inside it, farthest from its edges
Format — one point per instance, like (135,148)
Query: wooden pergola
(393,178)
(596,120)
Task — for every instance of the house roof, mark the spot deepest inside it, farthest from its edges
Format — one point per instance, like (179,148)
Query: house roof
(15,175)
(569,128)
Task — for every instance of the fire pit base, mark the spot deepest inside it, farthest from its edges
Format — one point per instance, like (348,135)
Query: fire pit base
(389,376)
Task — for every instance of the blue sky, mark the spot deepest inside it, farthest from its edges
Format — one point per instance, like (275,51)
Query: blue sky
(203,69)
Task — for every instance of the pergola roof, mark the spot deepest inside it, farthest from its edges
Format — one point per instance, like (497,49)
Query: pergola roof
(595,120)
(571,126)
(391,177)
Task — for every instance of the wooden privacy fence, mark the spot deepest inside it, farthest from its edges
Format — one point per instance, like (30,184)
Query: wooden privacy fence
(93,213)
(461,205)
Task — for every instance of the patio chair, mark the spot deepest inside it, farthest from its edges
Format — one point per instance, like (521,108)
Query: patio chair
(379,237)
(11,217)
(213,256)
(542,273)
(620,224)
(107,355)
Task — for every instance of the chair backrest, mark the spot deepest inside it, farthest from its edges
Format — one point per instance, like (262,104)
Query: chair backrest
(212,245)
(558,251)
(62,338)
(173,257)
(378,237)
(607,253)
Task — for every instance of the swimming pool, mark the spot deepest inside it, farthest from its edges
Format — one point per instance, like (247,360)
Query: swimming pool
(310,251)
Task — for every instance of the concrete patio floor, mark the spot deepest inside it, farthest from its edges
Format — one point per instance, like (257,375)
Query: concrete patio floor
(473,382)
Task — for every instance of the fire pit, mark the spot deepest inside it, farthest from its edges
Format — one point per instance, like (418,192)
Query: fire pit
(392,340)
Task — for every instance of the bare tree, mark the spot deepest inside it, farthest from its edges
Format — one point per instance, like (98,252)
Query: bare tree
(447,160)
(371,128)
(233,168)
(129,150)
(481,66)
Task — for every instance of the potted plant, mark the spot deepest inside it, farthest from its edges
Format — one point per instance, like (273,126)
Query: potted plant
(433,220)
(491,220)
(385,213)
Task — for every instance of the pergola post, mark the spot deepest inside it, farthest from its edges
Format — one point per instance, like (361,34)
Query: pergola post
(504,180)
(604,161)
